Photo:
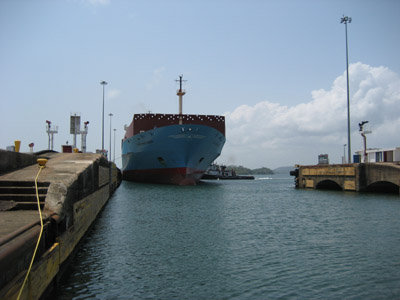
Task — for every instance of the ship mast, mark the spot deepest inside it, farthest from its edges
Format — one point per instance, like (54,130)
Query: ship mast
(180,93)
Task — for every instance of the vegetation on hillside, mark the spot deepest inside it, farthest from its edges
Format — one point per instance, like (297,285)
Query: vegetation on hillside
(283,170)
(240,170)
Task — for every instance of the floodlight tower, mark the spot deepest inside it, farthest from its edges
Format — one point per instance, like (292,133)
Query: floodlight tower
(114,145)
(345,20)
(51,131)
(109,158)
(84,133)
(103,83)
(363,134)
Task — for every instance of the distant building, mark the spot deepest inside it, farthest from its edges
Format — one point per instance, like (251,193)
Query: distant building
(323,159)
(378,155)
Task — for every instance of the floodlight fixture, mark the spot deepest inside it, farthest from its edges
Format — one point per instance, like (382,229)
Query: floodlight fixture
(345,19)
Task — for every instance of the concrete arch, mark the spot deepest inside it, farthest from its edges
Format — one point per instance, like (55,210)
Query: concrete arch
(383,187)
(328,184)
(380,172)
(381,177)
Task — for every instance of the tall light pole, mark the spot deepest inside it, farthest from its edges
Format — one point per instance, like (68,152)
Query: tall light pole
(114,145)
(345,20)
(110,114)
(103,83)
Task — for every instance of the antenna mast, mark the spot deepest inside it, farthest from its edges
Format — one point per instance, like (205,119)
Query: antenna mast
(363,134)
(180,93)
(51,131)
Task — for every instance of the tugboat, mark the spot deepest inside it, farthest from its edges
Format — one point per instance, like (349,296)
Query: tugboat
(220,172)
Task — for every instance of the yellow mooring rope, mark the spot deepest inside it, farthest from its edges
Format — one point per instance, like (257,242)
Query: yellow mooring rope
(41,231)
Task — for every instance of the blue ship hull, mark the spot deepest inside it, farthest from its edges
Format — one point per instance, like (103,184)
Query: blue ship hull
(174,154)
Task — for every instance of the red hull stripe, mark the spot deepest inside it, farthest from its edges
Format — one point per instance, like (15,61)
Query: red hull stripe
(180,176)
(172,171)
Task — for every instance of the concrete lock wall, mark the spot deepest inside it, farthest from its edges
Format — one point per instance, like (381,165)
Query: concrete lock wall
(10,161)
(342,175)
(79,185)
(351,177)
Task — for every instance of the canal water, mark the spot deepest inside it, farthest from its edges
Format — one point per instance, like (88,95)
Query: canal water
(256,239)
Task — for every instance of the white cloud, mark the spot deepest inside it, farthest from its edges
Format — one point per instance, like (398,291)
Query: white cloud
(272,135)
(156,78)
(113,93)
(98,2)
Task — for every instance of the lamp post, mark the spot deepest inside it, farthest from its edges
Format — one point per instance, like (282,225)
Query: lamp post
(110,114)
(345,20)
(344,153)
(103,83)
(114,145)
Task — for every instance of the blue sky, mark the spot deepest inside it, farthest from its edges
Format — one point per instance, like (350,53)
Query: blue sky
(278,62)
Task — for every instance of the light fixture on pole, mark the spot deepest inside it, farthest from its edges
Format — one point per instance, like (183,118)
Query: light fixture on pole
(103,83)
(345,20)
(110,114)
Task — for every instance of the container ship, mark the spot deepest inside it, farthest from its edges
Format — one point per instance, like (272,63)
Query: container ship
(171,148)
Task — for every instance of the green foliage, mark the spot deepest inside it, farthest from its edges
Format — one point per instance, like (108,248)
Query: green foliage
(262,170)
(283,170)
(240,170)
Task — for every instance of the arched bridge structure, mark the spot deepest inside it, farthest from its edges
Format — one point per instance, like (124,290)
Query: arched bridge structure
(362,177)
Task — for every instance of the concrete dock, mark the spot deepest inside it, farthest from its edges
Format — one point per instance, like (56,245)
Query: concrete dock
(359,177)
(72,189)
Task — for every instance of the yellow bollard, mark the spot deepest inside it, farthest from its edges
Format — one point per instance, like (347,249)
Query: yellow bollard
(17,145)
(42,162)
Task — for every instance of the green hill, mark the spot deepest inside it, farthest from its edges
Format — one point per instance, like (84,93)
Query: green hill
(262,171)
(240,170)
(283,170)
